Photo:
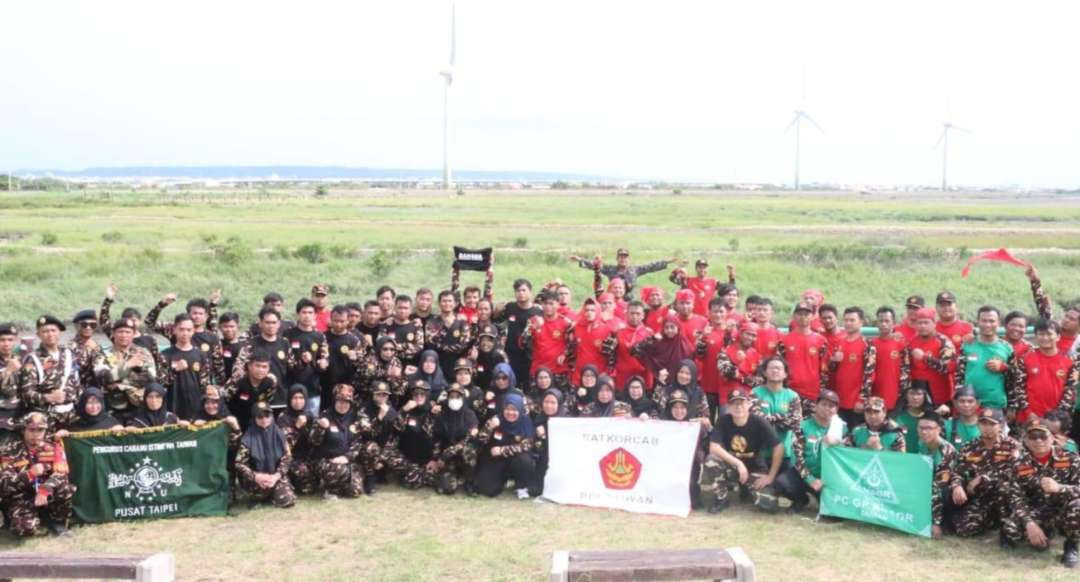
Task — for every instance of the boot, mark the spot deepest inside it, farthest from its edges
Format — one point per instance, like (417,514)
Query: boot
(1004,542)
(1071,557)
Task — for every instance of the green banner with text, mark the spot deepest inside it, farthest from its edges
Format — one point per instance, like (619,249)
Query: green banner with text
(878,487)
(159,472)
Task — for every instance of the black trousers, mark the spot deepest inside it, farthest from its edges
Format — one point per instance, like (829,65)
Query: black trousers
(789,484)
(493,473)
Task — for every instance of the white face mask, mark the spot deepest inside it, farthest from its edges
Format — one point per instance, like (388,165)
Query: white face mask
(455,404)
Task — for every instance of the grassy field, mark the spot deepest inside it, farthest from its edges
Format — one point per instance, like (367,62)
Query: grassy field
(58,250)
(401,535)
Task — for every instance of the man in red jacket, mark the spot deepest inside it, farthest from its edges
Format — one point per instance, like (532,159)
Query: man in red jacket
(932,356)
(690,323)
(626,364)
(851,368)
(907,327)
(591,340)
(737,365)
(547,335)
(709,346)
(1045,379)
(829,316)
(760,311)
(952,327)
(655,310)
(807,354)
(892,366)
(703,286)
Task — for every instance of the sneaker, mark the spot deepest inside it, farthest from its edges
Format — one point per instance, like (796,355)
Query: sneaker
(523,493)
(1005,543)
(369,485)
(1071,557)
(718,506)
(327,496)
(252,504)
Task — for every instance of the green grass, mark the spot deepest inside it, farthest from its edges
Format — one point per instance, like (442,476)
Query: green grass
(861,250)
(402,535)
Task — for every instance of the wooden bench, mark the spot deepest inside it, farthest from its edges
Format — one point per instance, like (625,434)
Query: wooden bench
(143,568)
(595,566)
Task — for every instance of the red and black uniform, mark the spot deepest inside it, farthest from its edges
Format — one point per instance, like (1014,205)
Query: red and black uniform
(892,368)
(707,349)
(907,330)
(626,364)
(956,331)
(1042,383)
(737,368)
(807,355)
(591,344)
(1045,308)
(935,365)
(853,377)
(690,327)
(548,340)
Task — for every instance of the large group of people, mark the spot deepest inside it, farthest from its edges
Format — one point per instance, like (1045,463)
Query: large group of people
(453,391)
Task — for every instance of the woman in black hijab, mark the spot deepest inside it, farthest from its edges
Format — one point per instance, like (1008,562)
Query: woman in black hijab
(262,462)
(552,404)
(153,413)
(92,413)
(453,452)
(641,405)
(429,370)
(336,438)
(381,451)
(416,426)
(581,396)
(604,405)
(686,379)
(678,409)
(505,453)
(296,425)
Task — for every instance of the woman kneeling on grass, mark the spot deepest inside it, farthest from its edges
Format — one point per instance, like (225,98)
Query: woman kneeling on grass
(262,462)
(506,445)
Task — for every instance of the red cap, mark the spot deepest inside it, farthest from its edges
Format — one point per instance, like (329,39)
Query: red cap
(647,291)
(925,313)
(684,295)
(748,325)
(605,297)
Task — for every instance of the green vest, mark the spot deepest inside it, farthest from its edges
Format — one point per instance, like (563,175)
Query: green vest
(922,449)
(910,423)
(778,402)
(964,433)
(989,386)
(814,441)
(861,434)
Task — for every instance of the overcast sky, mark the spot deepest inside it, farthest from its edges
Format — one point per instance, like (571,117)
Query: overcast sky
(662,89)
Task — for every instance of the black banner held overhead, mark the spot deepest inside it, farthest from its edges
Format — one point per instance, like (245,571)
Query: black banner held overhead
(472,259)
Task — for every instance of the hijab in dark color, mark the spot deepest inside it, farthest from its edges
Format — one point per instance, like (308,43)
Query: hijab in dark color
(667,353)
(267,446)
(100,421)
(160,417)
(643,405)
(523,426)
(436,380)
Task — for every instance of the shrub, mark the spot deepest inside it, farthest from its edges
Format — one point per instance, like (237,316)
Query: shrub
(233,252)
(381,263)
(49,239)
(311,252)
(521,242)
(280,252)
(112,236)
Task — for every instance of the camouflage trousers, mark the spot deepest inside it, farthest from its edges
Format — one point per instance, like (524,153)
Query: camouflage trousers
(344,479)
(375,458)
(454,473)
(719,480)
(1051,518)
(25,519)
(983,510)
(303,477)
(281,494)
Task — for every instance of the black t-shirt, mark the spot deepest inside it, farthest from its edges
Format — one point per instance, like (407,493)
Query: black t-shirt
(748,442)
(301,341)
(516,318)
(342,369)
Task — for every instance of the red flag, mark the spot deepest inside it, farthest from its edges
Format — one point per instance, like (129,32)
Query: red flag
(1001,255)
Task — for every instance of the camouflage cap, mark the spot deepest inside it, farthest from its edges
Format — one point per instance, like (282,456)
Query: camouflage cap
(380,387)
(829,396)
(320,289)
(1037,424)
(420,385)
(35,421)
(261,409)
(488,330)
(680,396)
(993,415)
(875,404)
(945,297)
(622,252)
(455,387)
(738,394)
(463,364)
(344,392)
(124,322)
(622,408)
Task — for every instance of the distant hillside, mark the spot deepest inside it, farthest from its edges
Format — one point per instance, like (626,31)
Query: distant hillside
(304,173)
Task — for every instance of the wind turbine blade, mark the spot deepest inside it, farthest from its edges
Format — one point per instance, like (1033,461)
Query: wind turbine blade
(792,124)
(941,139)
(964,129)
(814,123)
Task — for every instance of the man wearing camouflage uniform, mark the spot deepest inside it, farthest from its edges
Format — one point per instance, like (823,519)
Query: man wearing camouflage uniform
(943,455)
(84,346)
(982,470)
(1042,495)
(49,379)
(34,482)
(10,404)
(123,370)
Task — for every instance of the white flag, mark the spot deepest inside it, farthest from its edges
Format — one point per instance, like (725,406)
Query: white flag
(620,463)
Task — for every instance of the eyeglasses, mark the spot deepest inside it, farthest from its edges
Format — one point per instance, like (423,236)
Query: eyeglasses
(1037,436)
(88,324)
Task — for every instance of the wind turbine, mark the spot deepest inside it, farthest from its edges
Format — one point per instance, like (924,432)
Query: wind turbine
(800,116)
(944,142)
(448,76)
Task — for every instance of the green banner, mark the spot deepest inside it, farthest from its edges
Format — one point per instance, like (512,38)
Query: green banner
(157,472)
(878,487)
